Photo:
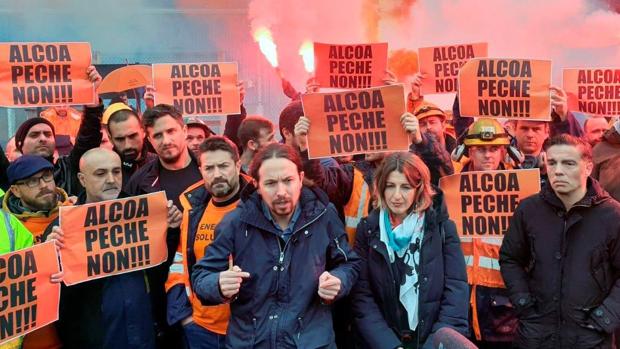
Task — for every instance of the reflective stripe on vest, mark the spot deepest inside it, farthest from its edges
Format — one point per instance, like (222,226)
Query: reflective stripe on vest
(357,206)
(488,263)
(9,230)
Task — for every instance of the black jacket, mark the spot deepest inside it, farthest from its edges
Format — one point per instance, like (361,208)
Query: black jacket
(67,167)
(130,167)
(443,294)
(562,268)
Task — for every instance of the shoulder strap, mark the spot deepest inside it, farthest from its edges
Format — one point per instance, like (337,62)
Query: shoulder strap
(9,230)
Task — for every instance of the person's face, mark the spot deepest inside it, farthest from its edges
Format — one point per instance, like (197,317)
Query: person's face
(39,141)
(434,125)
(399,194)
(567,171)
(168,137)
(265,137)
(220,173)
(486,157)
(128,138)
(595,128)
(62,110)
(195,136)
(280,185)
(37,192)
(102,177)
(150,103)
(530,136)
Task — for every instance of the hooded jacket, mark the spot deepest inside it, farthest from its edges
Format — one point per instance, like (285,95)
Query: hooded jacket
(561,269)
(278,306)
(36,222)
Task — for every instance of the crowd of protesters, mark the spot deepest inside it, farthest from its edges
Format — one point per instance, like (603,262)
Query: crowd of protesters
(268,248)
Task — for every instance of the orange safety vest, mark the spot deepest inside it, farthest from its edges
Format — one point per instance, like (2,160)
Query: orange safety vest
(481,260)
(357,206)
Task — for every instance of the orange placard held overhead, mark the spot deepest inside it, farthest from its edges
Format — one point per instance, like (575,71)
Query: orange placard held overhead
(595,91)
(113,237)
(481,203)
(355,122)
(350,66)
(441,65)
(28,300)
(505,88)
(45,74)
(198,88)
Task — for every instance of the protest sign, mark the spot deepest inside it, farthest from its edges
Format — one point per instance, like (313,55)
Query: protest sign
(28,300)
(595,91)
(113,237)
(355,122)
(505,88)
(441,65)
(482,202)
(350,66)
(198,88)
(45,74)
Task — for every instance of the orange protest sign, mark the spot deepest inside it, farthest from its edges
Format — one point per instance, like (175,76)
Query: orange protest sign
(45,74)
(505,88)
(28,300)
(355,122)
(198,88)
(481,203)
(441,65)
(350,66)
(594,91)
(113,237)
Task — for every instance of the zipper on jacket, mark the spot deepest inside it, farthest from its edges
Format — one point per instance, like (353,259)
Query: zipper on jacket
(282,250)
(346,259)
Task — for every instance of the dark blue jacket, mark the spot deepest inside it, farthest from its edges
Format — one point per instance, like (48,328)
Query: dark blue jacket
(111,312)
(278,306)
(443,294)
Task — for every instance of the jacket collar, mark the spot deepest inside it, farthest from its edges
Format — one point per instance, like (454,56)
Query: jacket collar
(11,203)
(595,195)
(313,203)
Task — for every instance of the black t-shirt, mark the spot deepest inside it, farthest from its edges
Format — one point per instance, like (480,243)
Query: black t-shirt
(174,182)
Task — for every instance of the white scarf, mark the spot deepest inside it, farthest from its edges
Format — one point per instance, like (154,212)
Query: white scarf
(413,225)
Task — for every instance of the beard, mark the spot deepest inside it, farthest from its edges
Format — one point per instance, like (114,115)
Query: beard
(130,155)
(222,188)
(42,202)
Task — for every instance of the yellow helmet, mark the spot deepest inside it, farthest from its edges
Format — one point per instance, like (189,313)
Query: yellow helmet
(486,132)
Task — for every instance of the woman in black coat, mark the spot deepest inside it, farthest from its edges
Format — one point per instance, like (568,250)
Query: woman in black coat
(413,280)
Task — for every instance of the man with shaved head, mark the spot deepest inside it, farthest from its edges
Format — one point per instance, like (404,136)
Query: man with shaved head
(113,312)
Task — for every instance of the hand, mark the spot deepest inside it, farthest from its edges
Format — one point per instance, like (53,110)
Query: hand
(230,281)
(312,86)
(559,102)
(301,132)
(95,78)
(73,199)
(58,277)
(416,86)
(329,286)
(58,236)
(241,87)
(174,215)
(389,78)
(412,126)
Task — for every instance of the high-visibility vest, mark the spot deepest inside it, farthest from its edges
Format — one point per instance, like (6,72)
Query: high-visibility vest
(482,261)
(357,206)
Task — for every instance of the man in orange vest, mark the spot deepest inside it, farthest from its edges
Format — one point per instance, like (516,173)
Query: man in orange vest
(493,319)
(205,203)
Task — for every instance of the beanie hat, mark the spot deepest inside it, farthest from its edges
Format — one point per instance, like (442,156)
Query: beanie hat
(23,129)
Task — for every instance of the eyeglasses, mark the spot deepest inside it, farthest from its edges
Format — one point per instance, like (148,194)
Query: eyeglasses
(33,182)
